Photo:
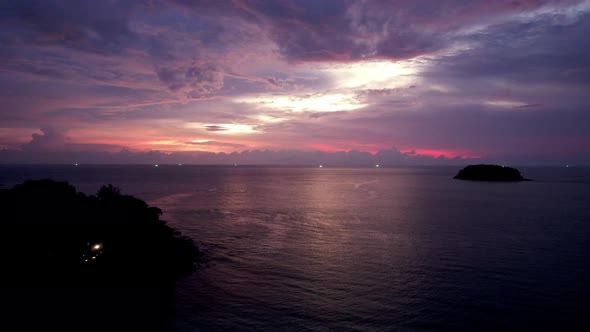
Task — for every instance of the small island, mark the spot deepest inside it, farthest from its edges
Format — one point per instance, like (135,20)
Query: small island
(494,173)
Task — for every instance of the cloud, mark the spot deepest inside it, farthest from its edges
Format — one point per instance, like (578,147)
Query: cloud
(335,30)
(54,140)
(261,83)
(92,26)
(498,77)
(215,128)
(546,47)
(194,81)
(529,106)
(274,82)
(217,144)
(385,158)
(317,115)
(50,139)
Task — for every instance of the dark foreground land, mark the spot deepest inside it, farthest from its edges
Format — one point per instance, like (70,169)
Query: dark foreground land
(130,308)
(76,262)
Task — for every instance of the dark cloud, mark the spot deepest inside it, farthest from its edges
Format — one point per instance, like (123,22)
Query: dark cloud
(376,92)
(341,30)
(195,81)
(385,158)
(317,115)
(273,82)
(529,106)
(94,26)
(50,139)
(502,77)
(373,94)
(34,68)
(215,128)
(542,49)
(522,132)
(54,140)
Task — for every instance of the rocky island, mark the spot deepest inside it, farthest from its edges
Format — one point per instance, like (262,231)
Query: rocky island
(495,173)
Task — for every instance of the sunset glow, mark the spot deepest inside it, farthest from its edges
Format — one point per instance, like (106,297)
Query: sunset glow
(165,81)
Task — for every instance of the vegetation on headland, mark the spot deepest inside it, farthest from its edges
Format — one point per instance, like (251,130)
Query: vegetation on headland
(494,173)
(50,233)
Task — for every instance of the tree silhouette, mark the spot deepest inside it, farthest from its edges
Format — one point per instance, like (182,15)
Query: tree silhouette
(108,191)
(50,233)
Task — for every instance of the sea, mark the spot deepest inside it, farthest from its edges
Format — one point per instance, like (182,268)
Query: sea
(365,249)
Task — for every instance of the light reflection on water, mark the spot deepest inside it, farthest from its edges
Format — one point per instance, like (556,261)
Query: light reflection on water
(312,249)
(347,249)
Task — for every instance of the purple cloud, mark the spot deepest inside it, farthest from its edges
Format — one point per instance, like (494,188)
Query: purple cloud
(195,81)
(217,144)
(51,139)
(489,78)
(215,128)
(97,27)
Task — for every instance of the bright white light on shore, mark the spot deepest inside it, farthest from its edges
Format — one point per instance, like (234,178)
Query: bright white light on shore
(96,247)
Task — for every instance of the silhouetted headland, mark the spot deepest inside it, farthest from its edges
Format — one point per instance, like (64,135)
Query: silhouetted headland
(71,261)
(53,234)
(494,173)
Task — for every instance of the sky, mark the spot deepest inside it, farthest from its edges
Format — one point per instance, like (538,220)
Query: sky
(347,82)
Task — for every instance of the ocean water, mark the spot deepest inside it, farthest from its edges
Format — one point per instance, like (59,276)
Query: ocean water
(388,249)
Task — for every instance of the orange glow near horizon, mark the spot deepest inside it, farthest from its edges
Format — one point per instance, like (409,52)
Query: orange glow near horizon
(445,153)
(210,146)
(324,148)
(227,141)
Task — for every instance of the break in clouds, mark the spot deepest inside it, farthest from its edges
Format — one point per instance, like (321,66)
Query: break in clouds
(305,82)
